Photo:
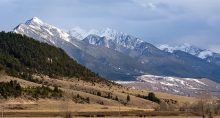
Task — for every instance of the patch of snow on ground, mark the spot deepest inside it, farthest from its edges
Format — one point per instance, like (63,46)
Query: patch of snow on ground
(167,84)
(173,85)
(189,83)
(125,82)
(176,91)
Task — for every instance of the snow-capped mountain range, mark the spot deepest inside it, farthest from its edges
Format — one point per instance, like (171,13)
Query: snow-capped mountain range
(101,60)
(107,32)
(122,41)
(205,54)
(118,56)
(107,37)
(201,53)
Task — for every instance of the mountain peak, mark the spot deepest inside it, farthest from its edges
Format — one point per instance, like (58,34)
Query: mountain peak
(109,30)
(34,20)
(105,32)
(48,33)
(109,33)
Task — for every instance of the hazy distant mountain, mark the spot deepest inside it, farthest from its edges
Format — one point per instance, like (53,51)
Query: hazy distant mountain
(205,54)
(119,56)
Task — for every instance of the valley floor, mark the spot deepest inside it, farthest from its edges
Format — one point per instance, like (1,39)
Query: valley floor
(59,109)
(98,105)
(110,114)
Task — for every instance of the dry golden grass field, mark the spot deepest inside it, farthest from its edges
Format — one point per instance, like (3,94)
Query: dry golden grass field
(99,105)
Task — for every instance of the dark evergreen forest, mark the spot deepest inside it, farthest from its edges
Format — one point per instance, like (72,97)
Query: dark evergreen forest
(21,56)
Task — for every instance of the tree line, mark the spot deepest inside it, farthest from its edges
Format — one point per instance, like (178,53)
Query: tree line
(14,89)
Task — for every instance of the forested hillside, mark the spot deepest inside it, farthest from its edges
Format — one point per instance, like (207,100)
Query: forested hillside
(22,56)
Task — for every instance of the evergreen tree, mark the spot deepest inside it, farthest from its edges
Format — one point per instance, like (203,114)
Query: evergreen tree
(99,93)
(116,98)
(88,100)
(77,96)
(152,97)
(56,89)
(128,98)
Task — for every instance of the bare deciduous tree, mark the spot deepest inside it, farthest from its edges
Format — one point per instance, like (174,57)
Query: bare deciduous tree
(205,104)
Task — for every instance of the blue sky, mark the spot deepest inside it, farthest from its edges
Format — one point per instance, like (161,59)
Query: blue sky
(195,22)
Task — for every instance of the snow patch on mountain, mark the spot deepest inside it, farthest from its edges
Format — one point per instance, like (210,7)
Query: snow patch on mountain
(112,38)
(174,85)
(36,20)
(78,33)
(46,31)
(166,48)
(204,54)
(81,33)
(171,81)
(201,53)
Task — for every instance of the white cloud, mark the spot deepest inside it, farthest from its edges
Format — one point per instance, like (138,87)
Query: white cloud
(149,5)
(215,48)
(199,7)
